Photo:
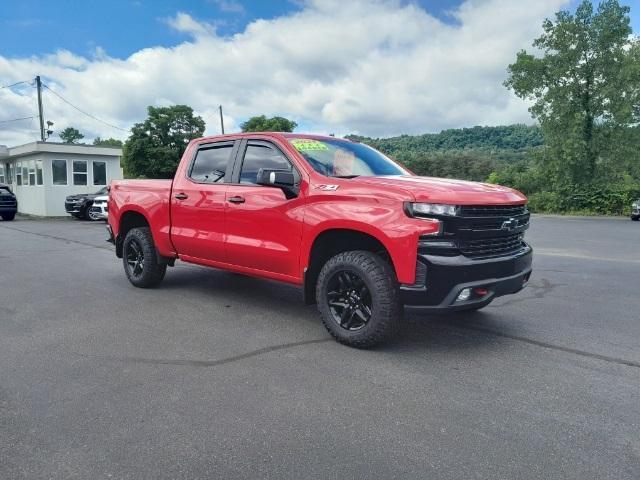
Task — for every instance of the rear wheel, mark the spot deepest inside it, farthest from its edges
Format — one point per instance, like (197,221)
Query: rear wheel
(7,217)
(358,299)
(635,218)
(140,259)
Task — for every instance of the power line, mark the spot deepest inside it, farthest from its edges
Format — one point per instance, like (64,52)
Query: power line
(14,84)
(82,111)
(18,119)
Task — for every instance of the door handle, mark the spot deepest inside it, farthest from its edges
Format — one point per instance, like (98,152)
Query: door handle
(236,199)
(181,196)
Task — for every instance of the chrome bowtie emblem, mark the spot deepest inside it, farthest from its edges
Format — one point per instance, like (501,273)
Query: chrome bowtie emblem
(510,224)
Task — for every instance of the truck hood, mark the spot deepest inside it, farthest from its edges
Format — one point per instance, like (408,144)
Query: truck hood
(448,191)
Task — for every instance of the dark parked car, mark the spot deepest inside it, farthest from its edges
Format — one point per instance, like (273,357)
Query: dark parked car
(8,203)
(80,205)
(635,210)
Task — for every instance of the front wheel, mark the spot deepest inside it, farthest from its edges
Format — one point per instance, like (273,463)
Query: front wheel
(140,259)
(358,299)
(635,218)
(7,217)
(93,216)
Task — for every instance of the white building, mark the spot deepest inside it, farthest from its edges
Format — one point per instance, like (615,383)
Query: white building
(42,174)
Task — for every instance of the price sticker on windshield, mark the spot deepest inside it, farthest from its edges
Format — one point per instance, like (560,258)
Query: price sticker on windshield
(305,145)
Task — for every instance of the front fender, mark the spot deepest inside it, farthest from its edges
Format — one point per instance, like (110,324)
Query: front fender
(385,221)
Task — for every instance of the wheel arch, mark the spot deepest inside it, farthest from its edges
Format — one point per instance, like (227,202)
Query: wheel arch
(128,220)
(332,241)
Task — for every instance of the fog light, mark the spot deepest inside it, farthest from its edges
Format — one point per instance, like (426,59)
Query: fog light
(464,295)
(480,292)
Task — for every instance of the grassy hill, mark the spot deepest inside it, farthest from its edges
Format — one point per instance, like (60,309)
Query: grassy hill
(467,153)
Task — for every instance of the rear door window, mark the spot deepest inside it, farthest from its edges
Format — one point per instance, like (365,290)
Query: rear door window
(211,163)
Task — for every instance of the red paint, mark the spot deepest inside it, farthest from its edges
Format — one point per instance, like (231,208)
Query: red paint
(271,236)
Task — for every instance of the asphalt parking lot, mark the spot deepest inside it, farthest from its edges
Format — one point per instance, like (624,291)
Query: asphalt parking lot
(216,375)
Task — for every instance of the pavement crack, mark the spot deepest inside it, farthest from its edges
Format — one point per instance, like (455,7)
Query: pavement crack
(551,346)
(206,363)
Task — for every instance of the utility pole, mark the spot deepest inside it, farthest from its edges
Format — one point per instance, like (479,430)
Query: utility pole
(221,120)
(39,86)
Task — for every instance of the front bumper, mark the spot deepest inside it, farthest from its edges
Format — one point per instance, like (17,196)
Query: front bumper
(446,277)
(8,208)
(73,207)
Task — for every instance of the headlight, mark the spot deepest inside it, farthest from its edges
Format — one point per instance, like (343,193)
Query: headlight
(433,209)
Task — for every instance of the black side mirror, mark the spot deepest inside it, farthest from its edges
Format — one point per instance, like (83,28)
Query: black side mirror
(283,179)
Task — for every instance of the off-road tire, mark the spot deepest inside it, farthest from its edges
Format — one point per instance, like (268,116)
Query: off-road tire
(7,217)
(151,272)
(635,218)
(380,280)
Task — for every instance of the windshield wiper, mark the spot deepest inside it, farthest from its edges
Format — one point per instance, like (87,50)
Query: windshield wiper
(345,176)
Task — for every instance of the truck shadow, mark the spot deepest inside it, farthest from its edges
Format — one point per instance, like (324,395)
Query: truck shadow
(419,332)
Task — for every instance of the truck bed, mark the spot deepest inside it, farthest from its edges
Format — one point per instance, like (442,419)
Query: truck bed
(151,198)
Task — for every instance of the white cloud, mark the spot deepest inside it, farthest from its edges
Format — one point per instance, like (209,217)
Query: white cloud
(184,23)
(229,6)
(371,67)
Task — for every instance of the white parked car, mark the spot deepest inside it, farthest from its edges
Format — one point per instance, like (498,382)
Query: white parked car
(99,209)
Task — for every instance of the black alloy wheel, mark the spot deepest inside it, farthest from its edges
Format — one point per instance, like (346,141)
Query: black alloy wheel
(135,258)
(358,298)
(140,258)
(349,300)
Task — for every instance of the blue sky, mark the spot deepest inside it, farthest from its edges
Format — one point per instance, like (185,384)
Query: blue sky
(122,27)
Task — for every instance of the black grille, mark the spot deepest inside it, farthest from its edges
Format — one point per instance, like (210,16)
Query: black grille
(492,210)
(490,247)
(6,200)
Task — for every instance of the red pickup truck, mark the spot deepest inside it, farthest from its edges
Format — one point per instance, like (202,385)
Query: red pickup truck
(363,236)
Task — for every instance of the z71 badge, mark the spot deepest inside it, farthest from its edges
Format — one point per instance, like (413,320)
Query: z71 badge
(326,187)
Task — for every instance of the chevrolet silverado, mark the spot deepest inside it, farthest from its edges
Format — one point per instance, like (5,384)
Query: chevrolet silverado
(364,237)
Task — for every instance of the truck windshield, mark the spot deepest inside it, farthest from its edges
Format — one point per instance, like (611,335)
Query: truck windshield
(341,158)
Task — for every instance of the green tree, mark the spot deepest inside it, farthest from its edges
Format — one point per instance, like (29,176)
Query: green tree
(263,124)
(155,146)
(71,135)
(585,86)
(107,142)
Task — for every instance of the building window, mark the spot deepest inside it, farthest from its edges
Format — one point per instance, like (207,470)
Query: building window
(39,172)
(18,174)
(79,172)
(59,169)
(32,172)
(2,174)
(8,173)
(99,173)
(25,174)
